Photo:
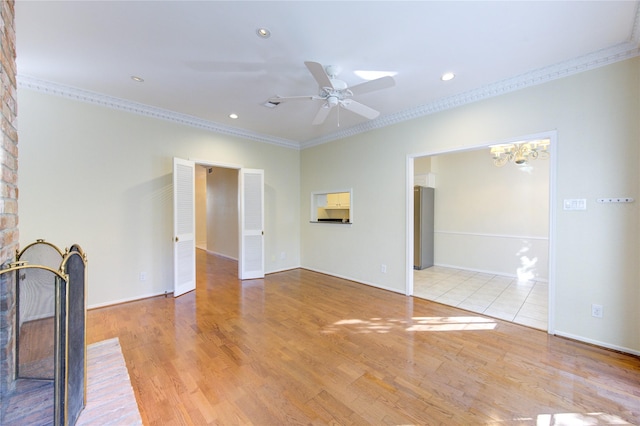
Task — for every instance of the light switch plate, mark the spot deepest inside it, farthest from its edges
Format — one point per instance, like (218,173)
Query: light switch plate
(575,204)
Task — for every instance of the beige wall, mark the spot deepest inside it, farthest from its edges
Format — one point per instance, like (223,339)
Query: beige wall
(103,178)
(491,219)
(201,207)
(595,114)
(222,207)
(422,166)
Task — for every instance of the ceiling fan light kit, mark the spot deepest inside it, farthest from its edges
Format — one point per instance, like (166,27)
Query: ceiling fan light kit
(337,93)
(331,102)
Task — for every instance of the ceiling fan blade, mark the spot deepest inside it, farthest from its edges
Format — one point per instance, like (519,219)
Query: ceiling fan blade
(370,86)
(319,74)
(322,115)
(360,109)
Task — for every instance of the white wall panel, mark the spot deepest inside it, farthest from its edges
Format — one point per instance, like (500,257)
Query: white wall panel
(522,257)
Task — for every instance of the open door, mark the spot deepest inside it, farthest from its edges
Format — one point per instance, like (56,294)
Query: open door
(184,247)
(251,196)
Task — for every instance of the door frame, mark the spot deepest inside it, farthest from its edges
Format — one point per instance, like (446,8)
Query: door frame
(239,168)
(231,166)
(553,136)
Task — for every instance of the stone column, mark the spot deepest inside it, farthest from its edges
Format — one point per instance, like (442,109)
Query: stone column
(8,192)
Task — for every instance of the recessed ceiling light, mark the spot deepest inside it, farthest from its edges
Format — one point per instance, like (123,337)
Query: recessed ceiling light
(233,116)
(447,76)
(372,75)
(136,78)
(263,33)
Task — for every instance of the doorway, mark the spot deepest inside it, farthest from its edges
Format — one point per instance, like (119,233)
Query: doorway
(493,233)
(217,210)
(249,220)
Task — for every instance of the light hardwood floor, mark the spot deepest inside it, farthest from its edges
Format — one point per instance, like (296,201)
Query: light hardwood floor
(300,347)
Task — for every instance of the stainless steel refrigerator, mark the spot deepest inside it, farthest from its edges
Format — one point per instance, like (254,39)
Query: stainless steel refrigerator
(423,215)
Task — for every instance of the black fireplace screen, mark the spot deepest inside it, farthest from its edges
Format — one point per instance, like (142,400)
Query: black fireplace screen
(35,312)
(73,391)
(50,325)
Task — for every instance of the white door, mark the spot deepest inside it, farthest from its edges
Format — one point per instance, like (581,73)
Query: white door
(184,248)
(251,196)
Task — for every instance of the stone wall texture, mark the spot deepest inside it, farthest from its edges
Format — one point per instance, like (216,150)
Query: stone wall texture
(8,192)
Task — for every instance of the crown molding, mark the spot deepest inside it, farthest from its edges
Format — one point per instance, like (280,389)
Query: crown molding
(635,32)
(588,62)
(31,83)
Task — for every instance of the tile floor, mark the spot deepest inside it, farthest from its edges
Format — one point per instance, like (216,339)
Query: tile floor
(522,302)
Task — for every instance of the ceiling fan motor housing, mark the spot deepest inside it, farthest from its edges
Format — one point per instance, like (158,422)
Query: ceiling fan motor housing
(333,70)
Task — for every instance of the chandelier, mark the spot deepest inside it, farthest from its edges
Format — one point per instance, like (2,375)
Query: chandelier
(520,153)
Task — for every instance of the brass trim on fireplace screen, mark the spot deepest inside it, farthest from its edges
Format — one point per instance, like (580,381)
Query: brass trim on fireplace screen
(38,241)
(60,280)
(77,250)
(62,291)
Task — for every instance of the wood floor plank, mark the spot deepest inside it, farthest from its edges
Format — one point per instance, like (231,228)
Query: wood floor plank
(299,347)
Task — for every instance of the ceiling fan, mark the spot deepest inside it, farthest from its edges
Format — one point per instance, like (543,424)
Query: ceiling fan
(336,93)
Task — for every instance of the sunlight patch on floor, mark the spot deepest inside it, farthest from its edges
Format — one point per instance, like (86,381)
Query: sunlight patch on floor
(451,323)
(416,324)
(567,419)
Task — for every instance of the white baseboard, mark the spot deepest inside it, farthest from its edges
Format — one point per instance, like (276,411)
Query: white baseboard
(220,254)
(500,274)
(132,299)
(597,343)
(275,271)
(344,277)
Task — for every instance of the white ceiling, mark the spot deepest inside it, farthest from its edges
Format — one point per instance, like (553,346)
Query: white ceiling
(202,60)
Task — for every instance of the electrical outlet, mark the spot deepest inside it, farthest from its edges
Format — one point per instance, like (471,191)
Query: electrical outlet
(596,311)
(143,276)
(383,268)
